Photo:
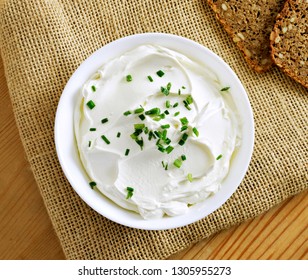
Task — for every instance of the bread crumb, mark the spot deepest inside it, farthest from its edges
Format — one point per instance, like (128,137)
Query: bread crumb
(224,7)
(280,55)
(290,26)
(240,35)
(277,40)
(302,62)
(284,29)
(247,52)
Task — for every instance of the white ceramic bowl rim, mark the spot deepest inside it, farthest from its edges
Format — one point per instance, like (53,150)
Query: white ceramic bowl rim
(68,154)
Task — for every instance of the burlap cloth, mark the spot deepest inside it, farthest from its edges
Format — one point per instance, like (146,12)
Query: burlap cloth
(42,44)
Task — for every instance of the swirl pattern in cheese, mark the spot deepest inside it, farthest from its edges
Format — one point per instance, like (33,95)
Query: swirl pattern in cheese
(149,153)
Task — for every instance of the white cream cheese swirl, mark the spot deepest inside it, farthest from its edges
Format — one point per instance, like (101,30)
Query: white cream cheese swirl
(159,187)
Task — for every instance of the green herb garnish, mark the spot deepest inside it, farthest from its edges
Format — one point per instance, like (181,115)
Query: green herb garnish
(127,152)
(184,121)
(92,184)
(93,88)
(189,177)
(219,157)
(165,126)
(139,110)
(104,120)
(160,73)
(176,114)
(153,111)
(118,134)
(105,139)
(177,163)
(92,129)
(169,149)
(127,113)
(141,117)
(183,157)
(91,104)
(195,131)
(150,78)
(130,192)
(129,78)
(225,89)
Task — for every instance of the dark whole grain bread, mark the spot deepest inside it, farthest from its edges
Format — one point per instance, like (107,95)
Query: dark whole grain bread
(249,23)
(289,40)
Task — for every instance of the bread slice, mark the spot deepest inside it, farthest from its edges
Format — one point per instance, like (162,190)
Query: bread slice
(249,23)
(289,40)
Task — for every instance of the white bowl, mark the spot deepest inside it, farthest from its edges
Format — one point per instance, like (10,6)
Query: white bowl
(68,154)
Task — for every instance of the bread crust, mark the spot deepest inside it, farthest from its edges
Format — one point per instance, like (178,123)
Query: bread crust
(249,24)
(289,40)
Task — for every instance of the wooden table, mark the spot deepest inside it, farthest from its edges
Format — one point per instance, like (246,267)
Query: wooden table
(26,231)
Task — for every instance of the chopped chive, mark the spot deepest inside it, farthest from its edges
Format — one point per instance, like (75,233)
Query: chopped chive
(186,105)
(151,135)
(225,89)
(160,73)
(189,99)
(183,87)
(168,104)
(157,118)
(161,148)
(162,116)
(92,184)
(158,134)
(185,136)
(195,130)
(150,78)
(219,157)
(184,121)
(139,110)
(164,134)
(140,143)
(164,90)
(176,114)
(129,78)
(141,117)
(179,92)
(130,192)
(105,139)
(93,88)
(167,141)
(169,149)
(127,152)
(118,134)
(183,140)
(153,111)
(104,120)
(177,163)
(183,157)
(127,113)
(189,177)
(169,86)
(92,129)
(138,126)
(146,130)
(163,164)
(89,145)
(91,104)
(184,127)
(175,104)
(165,126)
(166,112)
(166,166)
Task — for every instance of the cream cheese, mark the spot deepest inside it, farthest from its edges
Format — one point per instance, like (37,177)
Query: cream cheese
(143,162)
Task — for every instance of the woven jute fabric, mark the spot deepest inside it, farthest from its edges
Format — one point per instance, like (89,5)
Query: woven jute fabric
(44,42)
